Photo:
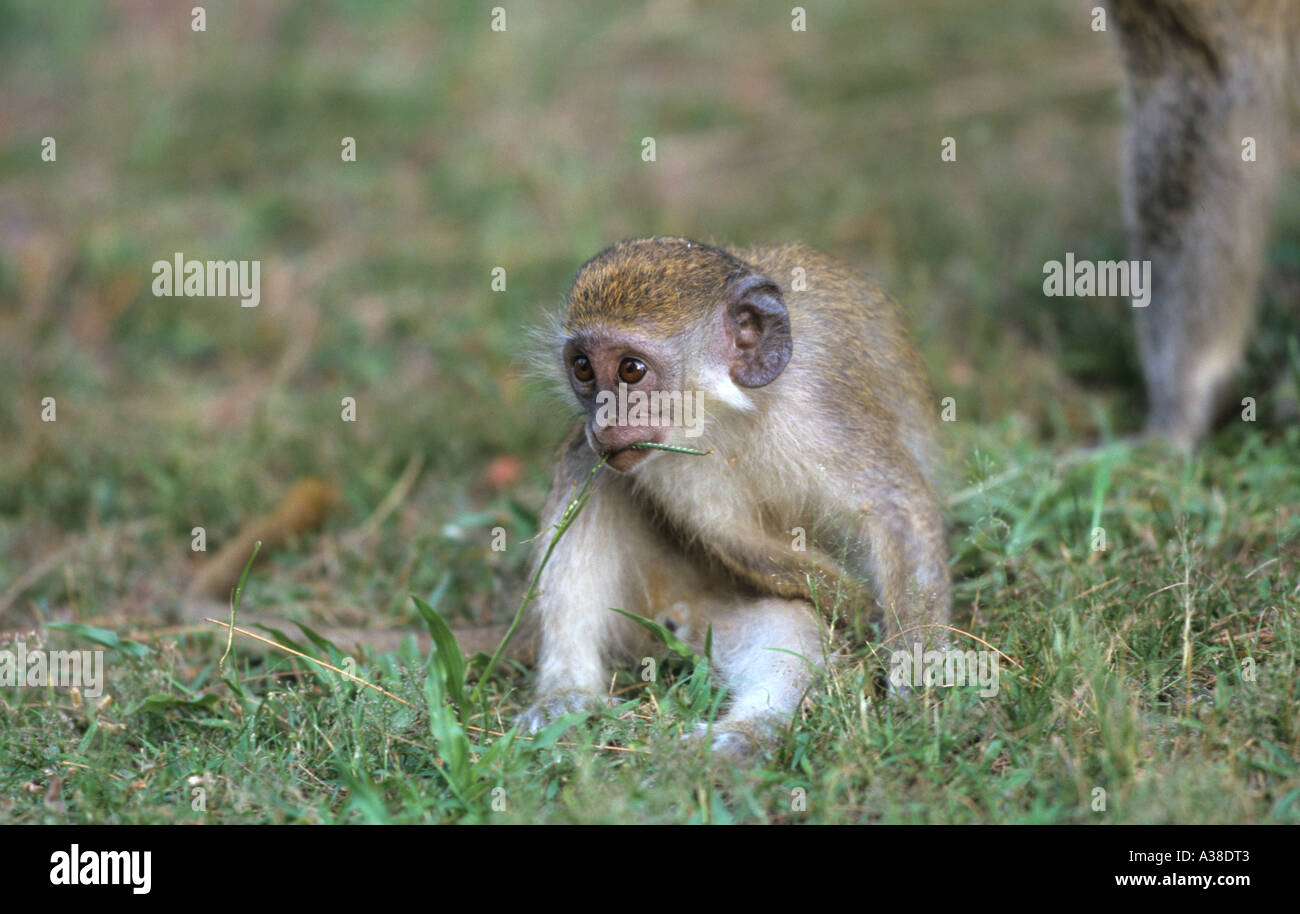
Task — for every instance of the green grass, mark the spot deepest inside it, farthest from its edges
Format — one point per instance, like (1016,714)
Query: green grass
(522,150)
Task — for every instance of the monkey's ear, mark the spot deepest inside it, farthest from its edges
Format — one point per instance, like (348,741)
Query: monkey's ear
(758,327)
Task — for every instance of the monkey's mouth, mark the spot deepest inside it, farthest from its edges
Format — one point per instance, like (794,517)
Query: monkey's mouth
(627,458)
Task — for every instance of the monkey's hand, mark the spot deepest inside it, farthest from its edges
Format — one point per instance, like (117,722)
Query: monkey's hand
(554,705)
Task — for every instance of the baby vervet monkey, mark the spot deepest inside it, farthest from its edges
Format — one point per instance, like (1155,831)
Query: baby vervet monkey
(800,381)
(1208,87)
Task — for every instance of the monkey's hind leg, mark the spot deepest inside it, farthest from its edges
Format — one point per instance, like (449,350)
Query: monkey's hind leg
(767,652)
(1204,145)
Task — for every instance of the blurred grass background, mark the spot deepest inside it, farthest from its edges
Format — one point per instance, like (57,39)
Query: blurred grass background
(478,149)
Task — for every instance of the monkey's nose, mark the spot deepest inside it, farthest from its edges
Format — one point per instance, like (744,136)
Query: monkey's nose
(610,439)
(613,438)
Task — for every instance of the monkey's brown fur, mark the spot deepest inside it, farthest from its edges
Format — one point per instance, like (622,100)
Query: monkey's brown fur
(840,440)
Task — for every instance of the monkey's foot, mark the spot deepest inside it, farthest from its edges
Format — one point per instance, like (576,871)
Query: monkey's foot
(899,690)
(551,707)
(739,741)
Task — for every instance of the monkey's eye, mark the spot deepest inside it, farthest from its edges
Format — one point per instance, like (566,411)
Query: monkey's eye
(631,370)
(582,369)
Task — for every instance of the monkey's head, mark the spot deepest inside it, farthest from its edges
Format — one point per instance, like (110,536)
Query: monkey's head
(655,326)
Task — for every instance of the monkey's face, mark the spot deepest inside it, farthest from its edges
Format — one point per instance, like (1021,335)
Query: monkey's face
(621,382)
(650,325)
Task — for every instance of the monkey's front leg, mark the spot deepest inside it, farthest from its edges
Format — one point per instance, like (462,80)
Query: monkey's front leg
(907,562)
(608,557)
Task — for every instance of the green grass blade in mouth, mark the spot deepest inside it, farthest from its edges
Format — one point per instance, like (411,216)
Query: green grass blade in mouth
(676,449)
